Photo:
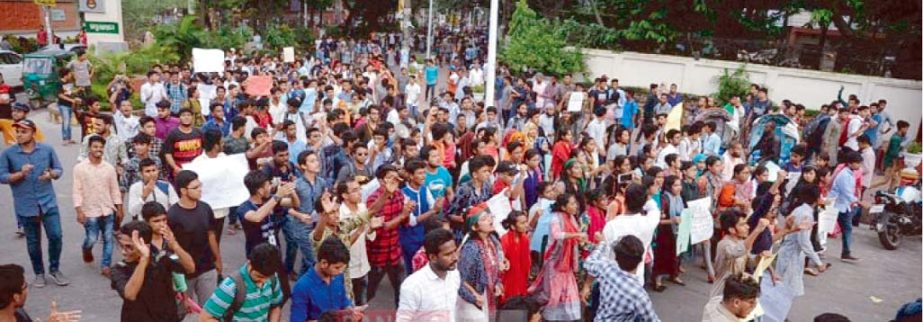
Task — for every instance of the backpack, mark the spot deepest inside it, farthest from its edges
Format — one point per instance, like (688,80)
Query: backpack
(240,295)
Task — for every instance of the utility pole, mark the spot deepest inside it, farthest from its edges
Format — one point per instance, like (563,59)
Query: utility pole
(492,54)
(429,33)
(405,49)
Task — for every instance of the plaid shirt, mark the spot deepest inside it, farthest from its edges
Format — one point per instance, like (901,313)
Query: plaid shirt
(386,248)
(622,296)
(177,94)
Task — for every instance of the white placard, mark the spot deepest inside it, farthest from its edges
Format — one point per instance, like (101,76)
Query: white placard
(575,102)
(222,179)
(793,178)
(703,225)
(826,220)
(207,60)
(499,206)
(288,54)
(773,170)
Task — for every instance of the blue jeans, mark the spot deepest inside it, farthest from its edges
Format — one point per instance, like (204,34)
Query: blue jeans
(93,226)
(297,238)
(32,226)
(845,221)
(66,113)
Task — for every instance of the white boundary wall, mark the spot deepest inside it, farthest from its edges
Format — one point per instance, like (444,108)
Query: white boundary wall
(809,87)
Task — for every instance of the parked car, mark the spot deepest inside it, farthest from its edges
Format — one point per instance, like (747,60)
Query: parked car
(11,68)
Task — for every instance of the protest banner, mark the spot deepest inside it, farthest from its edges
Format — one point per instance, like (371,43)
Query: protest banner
(683,232)
(207,60)
(259,85)
(703,225)
(575,101)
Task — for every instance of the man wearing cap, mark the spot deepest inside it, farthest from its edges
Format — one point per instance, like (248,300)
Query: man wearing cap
(18,113)
(29,167)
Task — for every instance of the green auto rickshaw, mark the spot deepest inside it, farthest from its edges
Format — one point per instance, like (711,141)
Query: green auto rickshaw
(41,77)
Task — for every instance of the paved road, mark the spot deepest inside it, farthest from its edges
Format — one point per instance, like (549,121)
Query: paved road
(892,276)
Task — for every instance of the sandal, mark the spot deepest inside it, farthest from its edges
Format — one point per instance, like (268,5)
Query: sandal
(810,271)
(659,288)
(677,281)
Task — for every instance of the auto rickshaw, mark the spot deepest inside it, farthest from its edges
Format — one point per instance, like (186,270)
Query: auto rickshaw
(41,77)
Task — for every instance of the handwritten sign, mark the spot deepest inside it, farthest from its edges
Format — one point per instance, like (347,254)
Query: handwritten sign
(207,60)
(776,300)
(703,225)
(259,85)
(675,118)
(500,207)
(683,232)
(575,102)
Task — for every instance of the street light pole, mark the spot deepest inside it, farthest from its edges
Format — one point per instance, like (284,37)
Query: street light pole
(48,28)
(429,32)
(491,54)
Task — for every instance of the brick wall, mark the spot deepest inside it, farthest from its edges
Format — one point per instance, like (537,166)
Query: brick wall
(27,16)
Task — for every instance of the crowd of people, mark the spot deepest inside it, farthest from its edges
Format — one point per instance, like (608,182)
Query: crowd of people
(368,166)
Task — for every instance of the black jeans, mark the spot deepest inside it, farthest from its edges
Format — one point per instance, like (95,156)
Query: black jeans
(395,272)
(360,285)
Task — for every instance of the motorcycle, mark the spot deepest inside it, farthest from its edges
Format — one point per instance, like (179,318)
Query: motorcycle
(897,214)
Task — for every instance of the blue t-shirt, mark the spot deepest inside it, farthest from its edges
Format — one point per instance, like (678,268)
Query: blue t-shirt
(438,181)
(628,114)
(432,74)
(311,296)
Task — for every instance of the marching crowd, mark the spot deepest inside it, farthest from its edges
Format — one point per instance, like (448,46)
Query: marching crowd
(367,166)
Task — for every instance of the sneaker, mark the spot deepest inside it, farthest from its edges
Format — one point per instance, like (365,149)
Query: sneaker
(849,258)
(39,281)
(87,255)
(107,272)
(59,279)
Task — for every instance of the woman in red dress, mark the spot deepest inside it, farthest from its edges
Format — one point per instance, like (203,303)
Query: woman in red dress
(515,245)
(560,153)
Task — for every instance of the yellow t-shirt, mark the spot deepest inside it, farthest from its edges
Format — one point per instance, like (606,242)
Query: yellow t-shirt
(9,133)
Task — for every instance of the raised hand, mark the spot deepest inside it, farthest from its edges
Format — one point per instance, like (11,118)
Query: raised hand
(140,245)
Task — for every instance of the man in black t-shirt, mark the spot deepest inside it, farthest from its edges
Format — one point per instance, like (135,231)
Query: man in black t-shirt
(153,299)
(183,143)
(195,227)
(262,214)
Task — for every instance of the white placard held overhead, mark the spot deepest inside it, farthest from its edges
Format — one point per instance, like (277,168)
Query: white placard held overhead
(288,54)
(222,179)
(575,102)
(207,60)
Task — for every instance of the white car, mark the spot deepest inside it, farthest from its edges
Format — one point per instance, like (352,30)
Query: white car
(11,68)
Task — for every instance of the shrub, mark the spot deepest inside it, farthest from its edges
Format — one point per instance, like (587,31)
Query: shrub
(732,84)
(915,148)
(534,43)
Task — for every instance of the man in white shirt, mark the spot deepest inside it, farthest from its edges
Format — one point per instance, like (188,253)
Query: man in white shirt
(673,138)
(126,124)
(854,129)
(639,221)
(732,157)
(149,188)
(152,92)
(430,293)
(476,75)
(412,92)
(596,129)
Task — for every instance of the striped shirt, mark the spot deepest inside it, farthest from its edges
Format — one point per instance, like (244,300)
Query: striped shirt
(256,305)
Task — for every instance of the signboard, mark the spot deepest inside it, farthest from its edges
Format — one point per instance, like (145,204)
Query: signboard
(99,27)
(207,60)
(96,6)
(702,223)
(575,101)
(288,54)
(50,3)
(58,15)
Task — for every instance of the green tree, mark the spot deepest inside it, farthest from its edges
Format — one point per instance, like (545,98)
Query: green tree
(536,43)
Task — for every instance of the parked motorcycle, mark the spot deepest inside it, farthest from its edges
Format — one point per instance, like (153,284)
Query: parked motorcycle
(897,214)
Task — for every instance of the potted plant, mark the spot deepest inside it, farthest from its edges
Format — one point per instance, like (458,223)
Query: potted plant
(478,91)
(914,155)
